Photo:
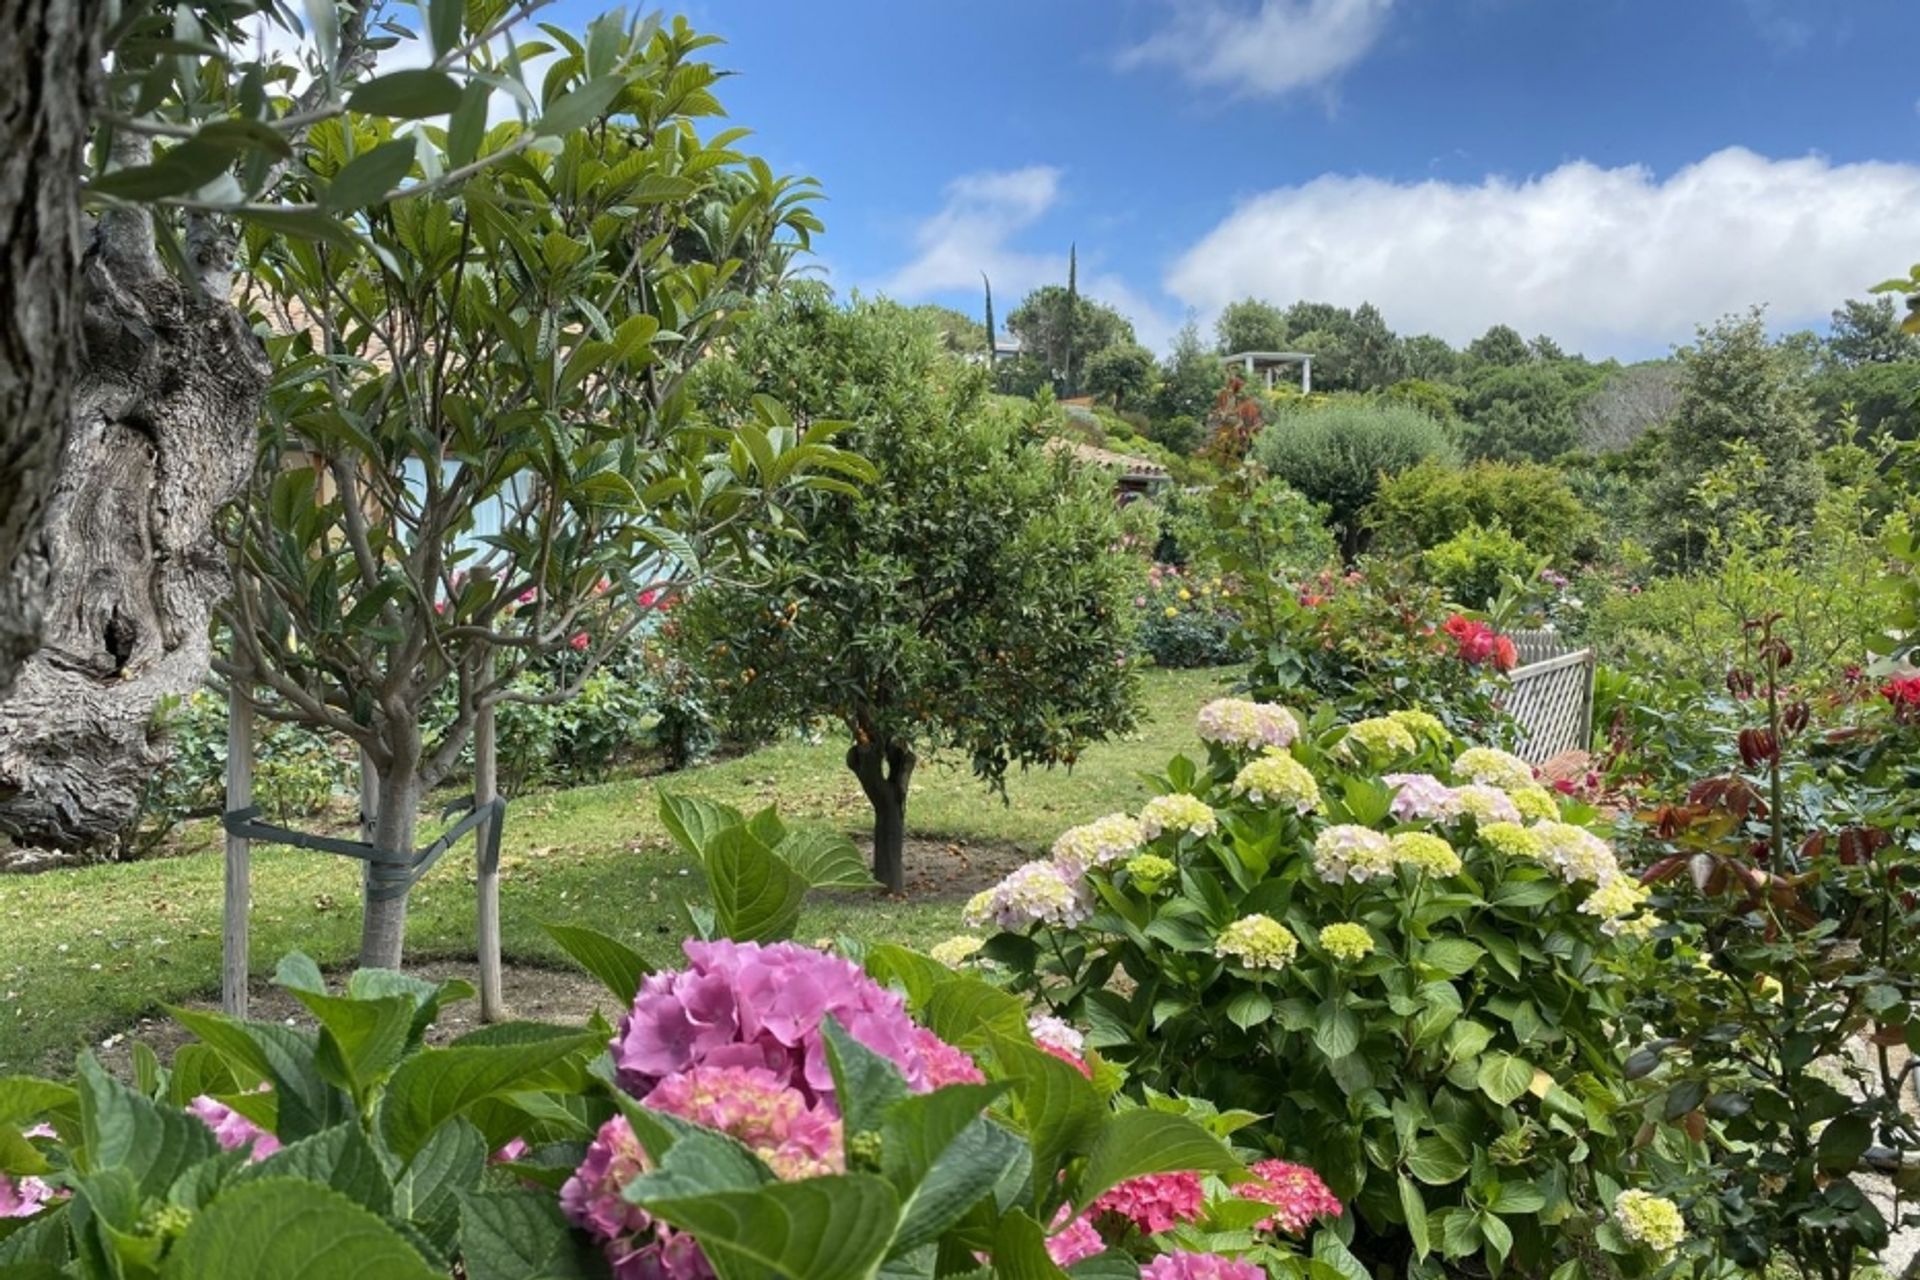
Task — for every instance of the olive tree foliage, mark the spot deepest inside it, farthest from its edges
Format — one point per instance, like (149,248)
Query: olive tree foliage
(479,448)
(1627,404)
(974,598)
(146,137)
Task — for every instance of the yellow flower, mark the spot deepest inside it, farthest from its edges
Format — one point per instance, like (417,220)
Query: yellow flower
(1172,612)
(955,950)
(1150,872)
(1346,942)
(1651,1220)
(1258,942)
(1185,594)
(1513,840)
(1276,778)
(1536,804)
(1420,724)
(1427,851)
(1380,738)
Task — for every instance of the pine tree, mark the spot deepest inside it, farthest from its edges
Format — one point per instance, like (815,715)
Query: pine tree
(1073,315)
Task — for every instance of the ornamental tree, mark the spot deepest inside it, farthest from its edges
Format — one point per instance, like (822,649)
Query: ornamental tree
(976,597)
(479,450)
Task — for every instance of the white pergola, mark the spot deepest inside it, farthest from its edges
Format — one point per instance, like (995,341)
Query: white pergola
(1264,363)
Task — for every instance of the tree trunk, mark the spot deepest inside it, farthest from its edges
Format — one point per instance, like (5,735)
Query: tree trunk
(383,921)
(49,62)
(160,437)
(884,774)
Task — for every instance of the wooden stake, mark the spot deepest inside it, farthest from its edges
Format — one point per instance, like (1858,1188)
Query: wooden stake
(493,1005)
(239,864)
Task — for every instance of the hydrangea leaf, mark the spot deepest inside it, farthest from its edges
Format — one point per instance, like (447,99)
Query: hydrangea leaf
(292,1229)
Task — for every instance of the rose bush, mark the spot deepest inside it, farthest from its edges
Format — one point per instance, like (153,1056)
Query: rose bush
(1405,955)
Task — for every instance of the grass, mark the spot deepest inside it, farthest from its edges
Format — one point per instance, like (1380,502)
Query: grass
(88,950)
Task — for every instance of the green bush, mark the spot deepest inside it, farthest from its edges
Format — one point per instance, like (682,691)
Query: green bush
(1336,454)
(1472,565)
(1426,1004)
(1426,505)
(295,772)
(1185,620)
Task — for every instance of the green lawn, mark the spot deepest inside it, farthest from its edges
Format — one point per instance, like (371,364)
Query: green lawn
(88,950)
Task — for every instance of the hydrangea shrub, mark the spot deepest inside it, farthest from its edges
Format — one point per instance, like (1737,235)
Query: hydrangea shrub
(1398,949)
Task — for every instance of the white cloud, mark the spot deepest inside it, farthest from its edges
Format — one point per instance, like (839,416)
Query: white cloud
(1605,260)
(983,214)
(1274,48)
(983,211)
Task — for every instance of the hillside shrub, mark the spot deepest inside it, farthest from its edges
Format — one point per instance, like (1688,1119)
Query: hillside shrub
(1337,454)
(1472,566)
(1404,956)
(1426,505)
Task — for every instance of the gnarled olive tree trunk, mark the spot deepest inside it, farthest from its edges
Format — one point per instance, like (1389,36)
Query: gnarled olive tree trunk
(160,423)
(48,53)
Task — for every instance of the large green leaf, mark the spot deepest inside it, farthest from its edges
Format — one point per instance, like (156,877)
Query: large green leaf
(305,1103)
(865,1084)
(968,1012)
(24,1099)
(363,1038)
(122,1130)
(1504,1078)
(427,1192)
(916,974)
(292,1229)
(436,1085)
(1134,1143)
(756,896)
(1451,956)
(340,1157)
(617,965)
(367,178)
(693,821)
(1020,1251)
(825,859)
(1336,1029)
(1062,1110)
(1437,1160)
(519,1235)
(833,1228)
(410,94)
(942,1153)
(579,108)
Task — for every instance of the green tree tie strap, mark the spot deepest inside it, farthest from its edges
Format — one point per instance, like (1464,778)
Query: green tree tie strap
(390,873)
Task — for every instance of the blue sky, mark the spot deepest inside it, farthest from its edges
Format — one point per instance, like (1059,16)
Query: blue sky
(1608,171)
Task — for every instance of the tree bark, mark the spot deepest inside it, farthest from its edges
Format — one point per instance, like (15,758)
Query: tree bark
(49,60)
(885,773)
(383,921)
(160,436)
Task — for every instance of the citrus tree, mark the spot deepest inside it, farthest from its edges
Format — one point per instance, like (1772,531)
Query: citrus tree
(976,597)
(479,452)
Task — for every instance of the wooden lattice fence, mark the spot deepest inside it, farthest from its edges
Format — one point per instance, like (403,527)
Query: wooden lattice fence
(1551,696)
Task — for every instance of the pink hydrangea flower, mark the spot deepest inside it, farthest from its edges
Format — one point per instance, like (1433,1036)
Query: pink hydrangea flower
(1073,1241)
(1199,1266)
(232,1129)
(516,1149)
(794,1140)
(24,1198)
(1050,1032)
(1296,1193)
(1155,1202)
(580,641)
(636,1247)
(747,1005)
(1421,797)
(945,1064)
